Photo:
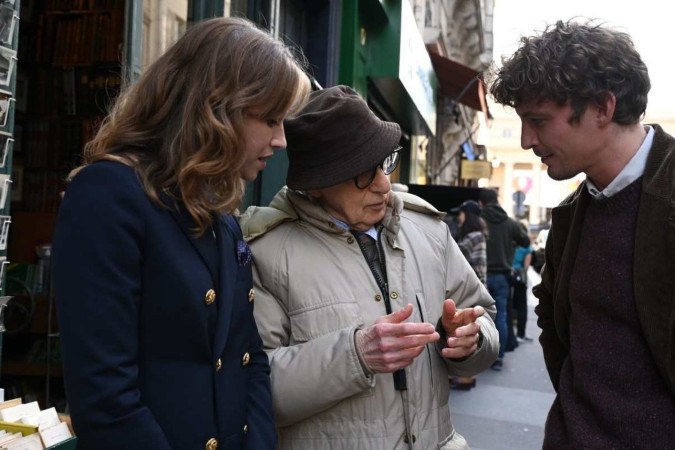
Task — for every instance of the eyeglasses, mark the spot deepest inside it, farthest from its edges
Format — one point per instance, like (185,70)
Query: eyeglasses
(388,165)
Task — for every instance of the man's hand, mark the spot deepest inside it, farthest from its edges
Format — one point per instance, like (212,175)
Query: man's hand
(389,344)
(461,328)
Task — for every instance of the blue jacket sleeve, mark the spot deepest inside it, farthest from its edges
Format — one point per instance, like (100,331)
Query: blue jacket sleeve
(260,413)
(98,251)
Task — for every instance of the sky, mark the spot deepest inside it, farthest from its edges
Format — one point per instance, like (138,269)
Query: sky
(651,23)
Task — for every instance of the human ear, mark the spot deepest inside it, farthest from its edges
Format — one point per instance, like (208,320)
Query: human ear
(606,108)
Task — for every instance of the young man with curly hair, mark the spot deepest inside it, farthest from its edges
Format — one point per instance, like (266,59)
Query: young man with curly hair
(606,300)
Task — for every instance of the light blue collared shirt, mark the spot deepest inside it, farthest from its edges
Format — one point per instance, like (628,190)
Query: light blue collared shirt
(372,232)
(633,170)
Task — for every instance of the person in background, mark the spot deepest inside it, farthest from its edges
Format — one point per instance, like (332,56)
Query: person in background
(606,304)
(521,263)
(472,235)
(152,277)
(504,234)
(364,302)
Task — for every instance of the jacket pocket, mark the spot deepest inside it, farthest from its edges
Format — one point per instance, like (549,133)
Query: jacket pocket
(318,320)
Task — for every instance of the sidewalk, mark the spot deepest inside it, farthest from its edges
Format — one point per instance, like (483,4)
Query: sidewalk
(507,410)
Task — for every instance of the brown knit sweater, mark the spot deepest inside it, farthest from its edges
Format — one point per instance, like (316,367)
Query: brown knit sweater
(610,394)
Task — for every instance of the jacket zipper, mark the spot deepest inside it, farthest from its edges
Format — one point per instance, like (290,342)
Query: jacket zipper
(426,347)
(400,382)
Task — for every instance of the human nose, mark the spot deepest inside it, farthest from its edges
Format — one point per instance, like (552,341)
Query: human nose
(381,183)
(279,137)
(528,138)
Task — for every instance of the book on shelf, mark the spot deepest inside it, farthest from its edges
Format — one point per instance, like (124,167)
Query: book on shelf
(80,37)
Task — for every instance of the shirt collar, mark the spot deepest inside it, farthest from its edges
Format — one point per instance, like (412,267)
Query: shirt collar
(633,170)
(372,232)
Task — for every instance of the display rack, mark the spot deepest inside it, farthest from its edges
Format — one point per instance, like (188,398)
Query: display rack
(66,72)
(9,31)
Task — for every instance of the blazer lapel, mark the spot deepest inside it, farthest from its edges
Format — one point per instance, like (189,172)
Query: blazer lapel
(205,244)
(228,278)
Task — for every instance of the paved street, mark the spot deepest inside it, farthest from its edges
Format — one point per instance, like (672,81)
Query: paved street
(507,410)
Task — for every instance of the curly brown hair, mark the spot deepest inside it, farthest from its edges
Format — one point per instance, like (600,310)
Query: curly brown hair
(579,63)
(181,125)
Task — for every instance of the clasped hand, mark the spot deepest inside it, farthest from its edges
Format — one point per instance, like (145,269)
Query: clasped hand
(461,329)
(390,344)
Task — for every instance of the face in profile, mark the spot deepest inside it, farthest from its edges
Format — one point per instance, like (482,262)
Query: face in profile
(262,137)
(359,208)
(567,148)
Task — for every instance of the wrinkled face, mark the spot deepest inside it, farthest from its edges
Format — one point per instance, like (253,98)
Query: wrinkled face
(567,148)
(359,208)
(262,135)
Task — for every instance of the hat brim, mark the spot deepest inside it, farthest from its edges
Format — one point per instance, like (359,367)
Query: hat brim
(368,153)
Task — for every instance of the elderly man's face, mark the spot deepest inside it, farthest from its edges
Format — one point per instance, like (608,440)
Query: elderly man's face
(359,208)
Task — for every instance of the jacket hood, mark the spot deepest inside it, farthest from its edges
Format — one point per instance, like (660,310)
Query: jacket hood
(257,220)
(494,213)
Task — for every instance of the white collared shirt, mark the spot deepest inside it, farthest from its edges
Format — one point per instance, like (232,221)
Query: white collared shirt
(633,170)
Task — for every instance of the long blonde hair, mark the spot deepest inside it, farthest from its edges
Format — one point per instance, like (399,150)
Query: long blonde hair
(181,125)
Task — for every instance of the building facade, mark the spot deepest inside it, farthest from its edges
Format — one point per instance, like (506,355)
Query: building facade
(458,36)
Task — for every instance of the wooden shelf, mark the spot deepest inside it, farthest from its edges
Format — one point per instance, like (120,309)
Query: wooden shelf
(78,12)
(30,369)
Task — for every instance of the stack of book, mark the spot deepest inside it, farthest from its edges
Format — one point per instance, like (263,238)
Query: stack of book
(24,426)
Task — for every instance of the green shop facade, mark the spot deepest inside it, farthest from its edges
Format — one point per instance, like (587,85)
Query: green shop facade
(375,47)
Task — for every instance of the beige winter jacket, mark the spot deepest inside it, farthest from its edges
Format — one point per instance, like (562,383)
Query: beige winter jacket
(314,289)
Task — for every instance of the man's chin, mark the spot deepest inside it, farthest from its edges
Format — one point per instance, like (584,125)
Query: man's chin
(558,175)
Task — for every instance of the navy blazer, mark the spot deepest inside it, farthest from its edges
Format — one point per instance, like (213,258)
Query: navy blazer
(152,359)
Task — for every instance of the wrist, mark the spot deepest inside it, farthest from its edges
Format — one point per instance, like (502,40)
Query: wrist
(443,341)
(357,345)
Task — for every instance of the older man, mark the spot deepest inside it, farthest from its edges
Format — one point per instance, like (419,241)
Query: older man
(364,302)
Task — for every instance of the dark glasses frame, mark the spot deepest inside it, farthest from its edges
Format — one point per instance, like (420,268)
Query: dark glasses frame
(388,165)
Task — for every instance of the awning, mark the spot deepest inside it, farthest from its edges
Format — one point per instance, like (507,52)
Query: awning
(460,83)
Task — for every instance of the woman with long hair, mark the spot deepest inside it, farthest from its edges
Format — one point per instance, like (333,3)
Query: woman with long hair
(152,278)
(473,232)
(471,241)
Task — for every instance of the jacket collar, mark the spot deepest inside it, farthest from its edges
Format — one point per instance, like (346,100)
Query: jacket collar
(290,205)
(204,244)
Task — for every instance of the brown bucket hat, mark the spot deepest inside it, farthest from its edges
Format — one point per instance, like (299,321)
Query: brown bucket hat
(335,138)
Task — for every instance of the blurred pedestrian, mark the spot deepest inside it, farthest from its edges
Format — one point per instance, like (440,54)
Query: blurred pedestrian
(522,258)
(504,234)
(152,277)
(472,235)
(364,301)
(606,304)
